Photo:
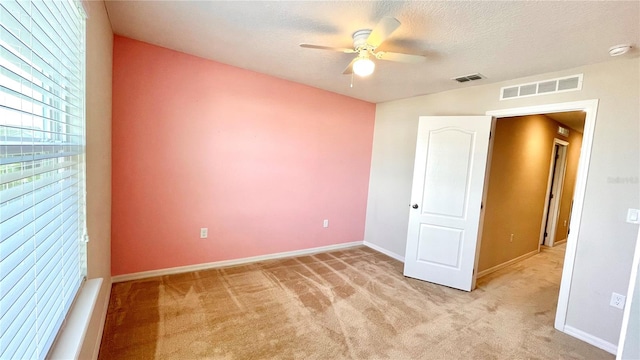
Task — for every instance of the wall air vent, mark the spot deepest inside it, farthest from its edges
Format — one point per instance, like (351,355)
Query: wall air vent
(552,86)
(466,78)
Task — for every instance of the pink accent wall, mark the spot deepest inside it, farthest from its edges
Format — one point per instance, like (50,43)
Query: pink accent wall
(258,160)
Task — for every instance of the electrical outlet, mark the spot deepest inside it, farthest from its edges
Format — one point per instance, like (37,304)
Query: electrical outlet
(325,223)
(204,232)
(633,216)
(617,300)
(511,238)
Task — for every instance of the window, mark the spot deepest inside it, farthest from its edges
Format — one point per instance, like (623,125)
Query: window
(42,171)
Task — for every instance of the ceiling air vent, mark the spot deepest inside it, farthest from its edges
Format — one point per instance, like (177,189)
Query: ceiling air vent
(552,86)
(471,77)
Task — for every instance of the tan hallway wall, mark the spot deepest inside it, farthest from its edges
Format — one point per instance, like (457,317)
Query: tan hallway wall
(573,155)
(518,180)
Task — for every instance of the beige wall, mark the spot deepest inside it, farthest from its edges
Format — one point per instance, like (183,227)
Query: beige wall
(518,180)
(98,107)
(571,171)
(605,241)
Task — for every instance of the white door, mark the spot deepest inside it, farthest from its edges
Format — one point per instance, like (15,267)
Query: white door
(446,196)
(554,192)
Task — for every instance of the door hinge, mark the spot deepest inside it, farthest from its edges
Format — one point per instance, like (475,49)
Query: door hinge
(481,206)
(489,134)
(551,196)
(545,234)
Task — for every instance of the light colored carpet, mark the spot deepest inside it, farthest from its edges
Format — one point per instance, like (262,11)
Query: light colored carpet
(351,304)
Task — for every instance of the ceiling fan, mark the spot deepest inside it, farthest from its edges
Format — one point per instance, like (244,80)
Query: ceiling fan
(365,43)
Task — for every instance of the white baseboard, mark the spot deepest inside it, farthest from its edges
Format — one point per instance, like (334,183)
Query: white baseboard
(505,264)
(559,242)
(384,251)
(103,320)
(590,339)
(217,264)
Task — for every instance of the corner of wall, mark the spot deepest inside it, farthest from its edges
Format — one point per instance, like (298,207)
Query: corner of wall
(99,60)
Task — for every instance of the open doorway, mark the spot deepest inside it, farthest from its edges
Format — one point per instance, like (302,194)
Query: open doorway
(530,186)
(590,109)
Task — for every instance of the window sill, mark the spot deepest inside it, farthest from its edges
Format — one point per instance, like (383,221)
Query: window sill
(71,336)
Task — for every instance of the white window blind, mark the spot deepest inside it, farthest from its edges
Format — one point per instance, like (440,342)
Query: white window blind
(42,191)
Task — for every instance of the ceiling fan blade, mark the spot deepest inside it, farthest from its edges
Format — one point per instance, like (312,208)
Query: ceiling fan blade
(404,58)
(383,29)
(349,69)
(320,47)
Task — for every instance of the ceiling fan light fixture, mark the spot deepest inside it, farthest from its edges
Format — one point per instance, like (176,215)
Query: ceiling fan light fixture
(363,66)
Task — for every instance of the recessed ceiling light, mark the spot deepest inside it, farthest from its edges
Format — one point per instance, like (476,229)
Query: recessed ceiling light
(619,50)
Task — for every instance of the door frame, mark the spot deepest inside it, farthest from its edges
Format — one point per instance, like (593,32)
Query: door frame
(590,107)
(631,301)
(558,180)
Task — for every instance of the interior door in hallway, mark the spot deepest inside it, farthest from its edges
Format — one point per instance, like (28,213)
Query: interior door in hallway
(446,198)
(554,193)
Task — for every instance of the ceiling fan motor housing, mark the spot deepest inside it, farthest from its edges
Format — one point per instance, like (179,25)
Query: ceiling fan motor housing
(360,38)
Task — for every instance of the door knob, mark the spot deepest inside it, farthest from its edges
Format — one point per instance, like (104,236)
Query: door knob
(415,206)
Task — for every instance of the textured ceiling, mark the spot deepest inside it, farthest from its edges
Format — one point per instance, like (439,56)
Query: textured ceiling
(572,119)
(501,40)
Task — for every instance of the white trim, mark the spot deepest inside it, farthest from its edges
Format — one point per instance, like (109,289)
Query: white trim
(564,145)
(384,251)
(84,6)
(507,263)
(485,194)
(223,263)
(590,107)
(559,181)
(71,336)
(103,320)
(590,339)
(630,299)
(545,211)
